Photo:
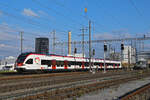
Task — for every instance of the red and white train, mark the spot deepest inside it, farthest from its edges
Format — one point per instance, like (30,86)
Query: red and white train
(33,62)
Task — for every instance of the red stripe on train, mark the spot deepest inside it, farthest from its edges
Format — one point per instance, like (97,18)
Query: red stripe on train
(53,64)
(65,63)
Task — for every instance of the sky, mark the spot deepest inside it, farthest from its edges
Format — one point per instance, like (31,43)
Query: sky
(38,18)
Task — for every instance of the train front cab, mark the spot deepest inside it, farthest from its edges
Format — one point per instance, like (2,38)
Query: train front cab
(23,63)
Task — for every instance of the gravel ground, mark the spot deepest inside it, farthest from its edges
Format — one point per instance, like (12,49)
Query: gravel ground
(115,91)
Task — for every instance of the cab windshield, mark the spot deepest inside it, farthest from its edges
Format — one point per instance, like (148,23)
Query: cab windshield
(22,57)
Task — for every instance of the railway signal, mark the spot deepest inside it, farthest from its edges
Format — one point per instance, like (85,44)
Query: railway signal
(105,47)
(105,50)
(122,46)
(93,52)
(75,50)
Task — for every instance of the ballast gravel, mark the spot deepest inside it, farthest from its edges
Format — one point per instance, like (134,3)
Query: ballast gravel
(114,92)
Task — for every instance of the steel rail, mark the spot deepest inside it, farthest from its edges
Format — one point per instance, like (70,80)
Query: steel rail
(76,90)
(142,93)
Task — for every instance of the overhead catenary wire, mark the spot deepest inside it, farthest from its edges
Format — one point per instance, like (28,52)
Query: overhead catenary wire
(23,20)
(56,12)
(17,10)
(16,31)
(20,19)
(137,10)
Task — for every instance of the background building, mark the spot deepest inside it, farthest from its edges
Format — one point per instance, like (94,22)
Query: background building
(7,63)
(144,56)
(129,55)
(42,45)
(113,55)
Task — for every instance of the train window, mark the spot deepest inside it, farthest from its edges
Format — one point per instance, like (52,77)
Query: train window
(22,57)
(109,64)
(61,63)
(79,63)
(57,63)
(44,62)
(29,61)
(70,63)
(96,64)
(73,63)
(112,64)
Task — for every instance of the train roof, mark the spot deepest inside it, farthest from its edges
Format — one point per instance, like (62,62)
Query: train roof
(31,53)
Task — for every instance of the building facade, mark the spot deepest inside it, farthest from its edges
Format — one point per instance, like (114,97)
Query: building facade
(129,55)
(42,45)
(7,63)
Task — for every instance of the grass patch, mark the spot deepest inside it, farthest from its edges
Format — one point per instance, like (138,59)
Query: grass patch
(6,71)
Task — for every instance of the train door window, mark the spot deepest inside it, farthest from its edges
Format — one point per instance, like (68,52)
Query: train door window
(49,63)
(29,61)
(61,63)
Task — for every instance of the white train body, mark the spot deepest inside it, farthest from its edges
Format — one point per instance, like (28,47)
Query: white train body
(33,61)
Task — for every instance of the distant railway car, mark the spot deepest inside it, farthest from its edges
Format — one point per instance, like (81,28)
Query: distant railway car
(34,62)
(142,65)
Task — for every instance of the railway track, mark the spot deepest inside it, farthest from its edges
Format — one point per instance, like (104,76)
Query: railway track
(78,89)
(142,93)
(29,86)
(34,77)
(14,76)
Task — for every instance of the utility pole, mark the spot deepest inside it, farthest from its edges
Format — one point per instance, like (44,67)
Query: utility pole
(62,49)
(74,45)
(21,41)
(128,58)
(90,44)
(142,45)
(83,34)
(54,39)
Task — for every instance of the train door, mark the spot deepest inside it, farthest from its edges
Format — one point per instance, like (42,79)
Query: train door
(53,64)
(83,65)
(65,64)
(44,64)
(117,65)
(114,66)
(101,65)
